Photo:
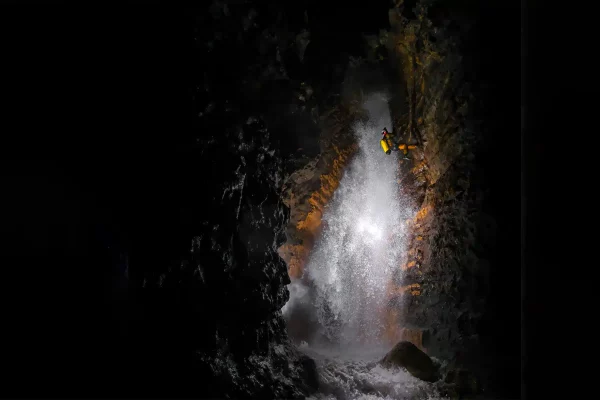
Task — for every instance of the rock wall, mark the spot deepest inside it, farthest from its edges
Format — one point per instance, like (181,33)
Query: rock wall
(145,229)
(448,298)
(266,110)
(308,190)
(242,342)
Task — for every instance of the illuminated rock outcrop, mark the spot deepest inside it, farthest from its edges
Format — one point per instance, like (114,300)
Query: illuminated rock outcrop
(436,47)
(306,209)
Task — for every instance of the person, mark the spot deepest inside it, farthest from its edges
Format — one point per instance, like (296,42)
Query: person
(389,138)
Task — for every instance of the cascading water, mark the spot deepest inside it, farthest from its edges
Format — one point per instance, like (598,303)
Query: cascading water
(361,244)
(345,280)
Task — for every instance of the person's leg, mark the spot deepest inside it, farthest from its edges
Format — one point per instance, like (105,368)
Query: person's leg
(391,143)
(404,147)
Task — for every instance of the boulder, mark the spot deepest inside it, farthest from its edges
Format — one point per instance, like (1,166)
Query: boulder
(417,363)
(309,373)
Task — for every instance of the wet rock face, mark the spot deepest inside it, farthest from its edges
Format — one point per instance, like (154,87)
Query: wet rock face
(215,306)
(218,304)
(212,301)
(455,257)
(307,192)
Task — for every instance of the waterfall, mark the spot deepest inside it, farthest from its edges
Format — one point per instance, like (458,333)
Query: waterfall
(361,245)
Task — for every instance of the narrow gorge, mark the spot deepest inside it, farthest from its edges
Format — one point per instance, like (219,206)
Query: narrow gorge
(230,226)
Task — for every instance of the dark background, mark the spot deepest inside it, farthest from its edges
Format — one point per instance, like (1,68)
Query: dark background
(558,203)
(99,180)
(95,121)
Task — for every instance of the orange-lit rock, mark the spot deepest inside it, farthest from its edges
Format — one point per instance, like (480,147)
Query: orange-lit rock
(415,336)
(410,264)
(394,332)
(422,213)
(307,214)
(294,256)
(408,288)
(393,329)
(419,168)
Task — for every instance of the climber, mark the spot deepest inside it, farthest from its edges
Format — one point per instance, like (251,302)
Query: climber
(389,144)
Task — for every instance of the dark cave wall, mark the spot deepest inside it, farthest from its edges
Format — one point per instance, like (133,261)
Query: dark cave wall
(144,178)
(454,298)
(141,238)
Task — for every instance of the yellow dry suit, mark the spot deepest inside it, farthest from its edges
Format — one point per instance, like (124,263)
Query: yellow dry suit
(389,144)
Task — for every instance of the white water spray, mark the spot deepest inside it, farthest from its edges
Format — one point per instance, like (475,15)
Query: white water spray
(348,272)
(352,263)
(354,259)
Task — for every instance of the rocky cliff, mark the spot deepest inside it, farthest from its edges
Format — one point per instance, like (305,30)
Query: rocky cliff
(256,120)
(449,289)
(153,216)
(242,341)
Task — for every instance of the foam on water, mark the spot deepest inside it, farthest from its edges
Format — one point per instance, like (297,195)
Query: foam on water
(356,374)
